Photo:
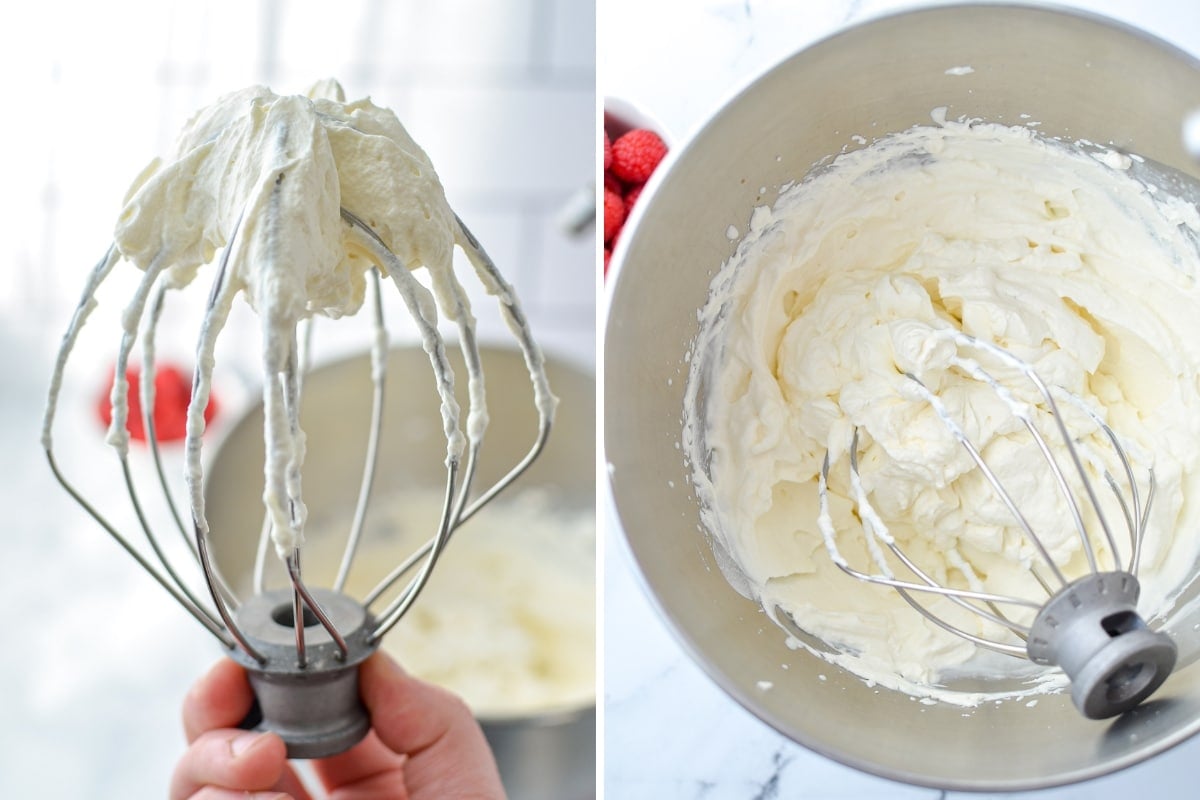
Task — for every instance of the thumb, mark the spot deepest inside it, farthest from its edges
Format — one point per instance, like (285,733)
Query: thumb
(448,754)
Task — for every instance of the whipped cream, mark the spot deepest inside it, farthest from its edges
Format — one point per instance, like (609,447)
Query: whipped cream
(868,270)
(264,179)
(278,169)
(508,618)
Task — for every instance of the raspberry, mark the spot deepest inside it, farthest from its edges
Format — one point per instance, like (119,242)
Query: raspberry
(636,154)
(628,163)
(632,195)
(172,392)
(614,214)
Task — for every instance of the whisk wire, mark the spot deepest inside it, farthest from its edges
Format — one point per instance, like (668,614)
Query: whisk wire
(1024,414)
(226,618)
(1133,511)
(825,523)
(543,399)
(152,540)
(511,309)
(169,581)
(302,599)
(1137,517)
(423,311)
(1068,440)
(1135,558)
(985,604)
(392,614)
(991,644)
(876,528)
(379,346)
(202,615)
(148,399)
(1088,626)
(293,570)
(217,307)
(1073,451)
(989,474)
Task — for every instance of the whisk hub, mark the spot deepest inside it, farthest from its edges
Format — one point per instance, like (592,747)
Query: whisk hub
(1091,629)
(315,708)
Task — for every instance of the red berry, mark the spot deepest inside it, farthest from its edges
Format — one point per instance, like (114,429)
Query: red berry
(172,392)
(607,151)
(636,154)
(631,197)
(613,183)
(607,258)
(614,214)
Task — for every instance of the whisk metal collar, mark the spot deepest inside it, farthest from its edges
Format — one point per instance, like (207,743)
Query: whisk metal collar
(314,707)
(1093,632)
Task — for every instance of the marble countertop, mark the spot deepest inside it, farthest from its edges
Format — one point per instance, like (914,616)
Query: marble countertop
(669,731)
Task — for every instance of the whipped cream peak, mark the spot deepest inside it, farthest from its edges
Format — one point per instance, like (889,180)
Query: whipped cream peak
(302,195)
(917,348)
(277,170)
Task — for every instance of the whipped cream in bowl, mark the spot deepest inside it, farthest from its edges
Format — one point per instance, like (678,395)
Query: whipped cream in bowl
(843,286)
(795,256)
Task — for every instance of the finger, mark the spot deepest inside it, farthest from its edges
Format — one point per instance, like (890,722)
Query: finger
(213,793)
(220,699)
(448,755)
(230,759)
(369,759)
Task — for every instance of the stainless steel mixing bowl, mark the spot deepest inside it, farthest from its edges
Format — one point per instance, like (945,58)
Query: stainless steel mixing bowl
(1081,78)
(549,756)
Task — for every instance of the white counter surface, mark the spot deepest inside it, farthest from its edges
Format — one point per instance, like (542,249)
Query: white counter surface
(670,732)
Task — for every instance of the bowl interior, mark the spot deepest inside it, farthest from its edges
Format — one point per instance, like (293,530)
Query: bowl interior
(335,417)
(1078,77)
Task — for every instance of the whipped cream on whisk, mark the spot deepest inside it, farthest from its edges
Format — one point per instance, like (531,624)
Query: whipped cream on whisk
(842,286)
(278,168)
(301,195)
(300,205)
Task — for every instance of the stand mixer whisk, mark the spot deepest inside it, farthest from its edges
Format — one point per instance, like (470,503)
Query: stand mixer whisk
(1088,624)
(309,202)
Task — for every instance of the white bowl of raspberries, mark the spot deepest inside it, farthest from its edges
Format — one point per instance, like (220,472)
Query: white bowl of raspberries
(634,145)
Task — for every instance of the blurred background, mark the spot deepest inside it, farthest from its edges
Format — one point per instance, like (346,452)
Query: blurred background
(501,95)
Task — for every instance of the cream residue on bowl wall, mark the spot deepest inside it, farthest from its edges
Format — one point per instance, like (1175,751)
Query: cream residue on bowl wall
(1052,250)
